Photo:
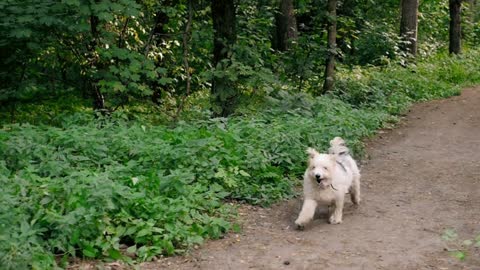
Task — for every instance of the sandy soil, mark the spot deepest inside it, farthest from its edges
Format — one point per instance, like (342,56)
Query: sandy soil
(421,178)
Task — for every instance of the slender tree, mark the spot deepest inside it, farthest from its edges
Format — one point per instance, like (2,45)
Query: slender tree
(286,26)
(186,51)
(159,38)
(224,37)
(98,97)
(455,45)
(332,46)
(409,26)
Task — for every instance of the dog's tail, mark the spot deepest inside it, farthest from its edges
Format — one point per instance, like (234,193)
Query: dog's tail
(338,147)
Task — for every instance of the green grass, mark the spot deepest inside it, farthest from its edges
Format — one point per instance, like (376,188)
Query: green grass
(88,187)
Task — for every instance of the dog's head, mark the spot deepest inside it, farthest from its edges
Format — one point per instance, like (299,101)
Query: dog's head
(320,167)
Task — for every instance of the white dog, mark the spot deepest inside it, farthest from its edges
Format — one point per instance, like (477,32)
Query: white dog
(326,181)
(342,153)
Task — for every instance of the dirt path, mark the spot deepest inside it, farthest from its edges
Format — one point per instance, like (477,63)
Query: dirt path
(421,179)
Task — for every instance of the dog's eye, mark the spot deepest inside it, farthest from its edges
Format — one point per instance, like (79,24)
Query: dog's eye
(313,167)
(325,168)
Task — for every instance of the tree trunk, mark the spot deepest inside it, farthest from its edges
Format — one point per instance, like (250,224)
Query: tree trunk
(186,51)
(98,98)
(159,37)
(455,27)
(286,26)
(332,46)
(223,92)
(409,26)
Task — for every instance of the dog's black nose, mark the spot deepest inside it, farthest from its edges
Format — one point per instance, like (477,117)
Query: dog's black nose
(318,177)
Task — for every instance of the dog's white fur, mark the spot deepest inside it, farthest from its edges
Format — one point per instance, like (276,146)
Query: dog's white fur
(342,153)
(327,179)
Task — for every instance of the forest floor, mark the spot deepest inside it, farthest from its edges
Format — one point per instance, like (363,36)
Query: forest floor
(419,180)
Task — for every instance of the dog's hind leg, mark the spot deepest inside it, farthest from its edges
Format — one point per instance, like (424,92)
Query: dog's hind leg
(355,189)
(306,215)
(336,217)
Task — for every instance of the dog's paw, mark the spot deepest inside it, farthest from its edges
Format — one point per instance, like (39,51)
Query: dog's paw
(300,225)
(334,220)
(355,198)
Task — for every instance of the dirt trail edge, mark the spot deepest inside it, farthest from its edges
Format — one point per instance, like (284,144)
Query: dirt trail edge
(420,179)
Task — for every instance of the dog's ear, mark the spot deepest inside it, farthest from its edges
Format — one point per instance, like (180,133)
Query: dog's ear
(311,152)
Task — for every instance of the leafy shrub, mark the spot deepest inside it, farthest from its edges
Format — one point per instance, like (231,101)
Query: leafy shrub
(115,187)
(378,45)
(433,27)
(88,189)
(392,89)
(84,191)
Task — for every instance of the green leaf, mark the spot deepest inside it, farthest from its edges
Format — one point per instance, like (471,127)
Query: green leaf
(143,232)
(449,235)
(196,239)
(461,255)
(75,3)
(221,173)
(89,251)
(164,81)
(244,173)
(132,249)
(114,254)
(22,33)
(236,228)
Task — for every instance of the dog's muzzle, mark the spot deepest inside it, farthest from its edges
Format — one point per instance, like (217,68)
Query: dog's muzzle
(319,178)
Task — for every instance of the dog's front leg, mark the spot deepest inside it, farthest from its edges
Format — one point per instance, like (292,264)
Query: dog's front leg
(307,213)
(336,217)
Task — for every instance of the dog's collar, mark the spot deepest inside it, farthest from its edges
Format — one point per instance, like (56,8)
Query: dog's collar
(331,185)
(343,166)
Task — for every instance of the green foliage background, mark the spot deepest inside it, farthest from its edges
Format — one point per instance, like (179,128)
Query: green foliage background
(112,187)
(151,178)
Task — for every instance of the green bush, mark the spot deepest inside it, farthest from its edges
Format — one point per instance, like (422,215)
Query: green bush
(378,45)
(394,88)
(116,188)
(84,190)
